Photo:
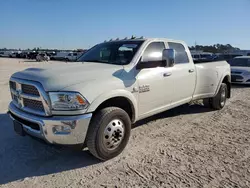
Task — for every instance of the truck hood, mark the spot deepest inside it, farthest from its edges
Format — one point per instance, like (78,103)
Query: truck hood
(241,69)
(57,77)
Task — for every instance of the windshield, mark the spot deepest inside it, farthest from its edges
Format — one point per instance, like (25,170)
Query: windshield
(119,53)
(240,62)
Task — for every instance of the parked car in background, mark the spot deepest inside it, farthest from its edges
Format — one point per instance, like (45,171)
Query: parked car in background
(32,55)
(5,53)
(203,56)
(22,55)
(115,84)
(42,57)
(50,54)
(227,57)
(72,56)
(13,54)
(240,70)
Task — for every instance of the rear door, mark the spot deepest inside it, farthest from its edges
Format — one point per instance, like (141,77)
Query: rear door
(183,74)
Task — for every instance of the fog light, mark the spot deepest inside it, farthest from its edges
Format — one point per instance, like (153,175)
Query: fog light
(61,129)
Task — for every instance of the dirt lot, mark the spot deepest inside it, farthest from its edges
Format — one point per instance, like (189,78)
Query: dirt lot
(190,146)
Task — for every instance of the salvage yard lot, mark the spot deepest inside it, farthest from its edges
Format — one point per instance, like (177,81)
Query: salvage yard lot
(189,146)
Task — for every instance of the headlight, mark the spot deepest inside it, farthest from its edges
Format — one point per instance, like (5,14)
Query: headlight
(246,73)
(67,101)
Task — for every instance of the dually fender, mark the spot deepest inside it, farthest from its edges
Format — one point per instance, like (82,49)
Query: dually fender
(225,74)
(112,94)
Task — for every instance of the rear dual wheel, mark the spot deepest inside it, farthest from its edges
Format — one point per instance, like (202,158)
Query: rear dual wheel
(219,101)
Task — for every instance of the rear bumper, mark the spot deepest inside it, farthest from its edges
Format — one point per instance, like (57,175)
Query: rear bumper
(65,130)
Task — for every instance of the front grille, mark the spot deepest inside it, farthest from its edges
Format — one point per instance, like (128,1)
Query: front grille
(13,85)
(29,96)
(33,104)
(29,89)
(236,78)
(30,124)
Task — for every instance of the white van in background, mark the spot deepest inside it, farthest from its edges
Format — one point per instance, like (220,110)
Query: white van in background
(59,56)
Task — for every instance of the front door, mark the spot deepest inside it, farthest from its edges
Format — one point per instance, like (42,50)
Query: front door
(154,84)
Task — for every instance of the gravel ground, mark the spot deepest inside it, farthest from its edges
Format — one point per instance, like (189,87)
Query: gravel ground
(189,146)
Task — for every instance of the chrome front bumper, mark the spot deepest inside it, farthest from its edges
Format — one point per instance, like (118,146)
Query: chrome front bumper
(65,130)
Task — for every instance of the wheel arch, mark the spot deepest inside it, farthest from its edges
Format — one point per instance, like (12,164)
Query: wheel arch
(227,80)
(122,99)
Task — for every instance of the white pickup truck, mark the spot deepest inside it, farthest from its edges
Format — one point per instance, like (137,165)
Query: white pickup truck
(72,56)
(93,102)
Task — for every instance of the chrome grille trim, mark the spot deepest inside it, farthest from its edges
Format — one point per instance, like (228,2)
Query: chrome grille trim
(13,85)
(18,95)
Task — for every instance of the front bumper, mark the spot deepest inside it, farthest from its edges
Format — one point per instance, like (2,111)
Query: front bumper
(74,128)
(240,79)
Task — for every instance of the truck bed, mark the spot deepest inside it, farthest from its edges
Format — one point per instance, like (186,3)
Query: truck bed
(207,76)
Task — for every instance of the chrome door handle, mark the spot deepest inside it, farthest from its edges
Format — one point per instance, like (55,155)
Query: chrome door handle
(191,70)
(167,74)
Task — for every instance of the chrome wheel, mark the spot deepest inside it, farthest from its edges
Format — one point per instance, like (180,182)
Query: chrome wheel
(113,134)
(223,96)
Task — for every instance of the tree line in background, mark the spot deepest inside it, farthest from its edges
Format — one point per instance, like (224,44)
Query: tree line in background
(216,48)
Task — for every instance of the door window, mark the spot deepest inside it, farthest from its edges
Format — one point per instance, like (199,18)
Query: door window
(154,50)
(180,53)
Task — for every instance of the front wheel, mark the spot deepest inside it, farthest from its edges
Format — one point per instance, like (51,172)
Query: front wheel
(219,101)
(108,133)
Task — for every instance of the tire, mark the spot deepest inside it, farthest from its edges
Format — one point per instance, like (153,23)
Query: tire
(208,102)
(108,133)
(219,101)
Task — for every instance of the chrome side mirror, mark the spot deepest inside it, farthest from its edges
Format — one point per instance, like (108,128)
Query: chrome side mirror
(168,55)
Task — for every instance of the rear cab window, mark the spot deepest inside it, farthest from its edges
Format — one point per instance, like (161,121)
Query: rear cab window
(180,52)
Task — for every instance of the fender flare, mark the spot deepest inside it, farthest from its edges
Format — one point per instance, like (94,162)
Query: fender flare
(111,94)
(221,79)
